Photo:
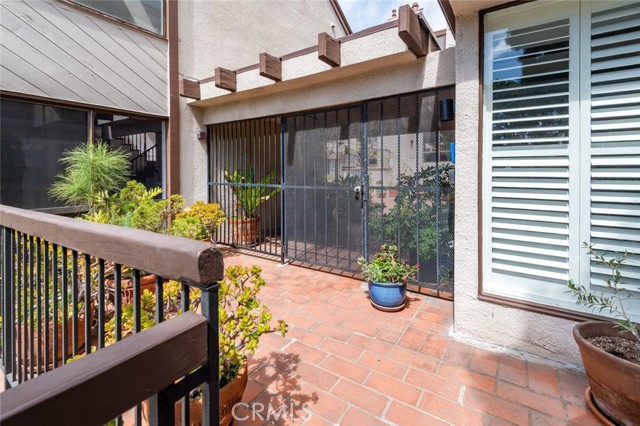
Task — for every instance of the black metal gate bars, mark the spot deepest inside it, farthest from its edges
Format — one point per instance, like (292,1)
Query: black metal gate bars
(329,186)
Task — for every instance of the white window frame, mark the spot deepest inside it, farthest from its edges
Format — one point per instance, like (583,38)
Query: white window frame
(529,14)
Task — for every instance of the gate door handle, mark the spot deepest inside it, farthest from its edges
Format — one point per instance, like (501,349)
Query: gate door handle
(357,190)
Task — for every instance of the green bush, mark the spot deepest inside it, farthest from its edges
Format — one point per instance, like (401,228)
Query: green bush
(387,267)
(91,171)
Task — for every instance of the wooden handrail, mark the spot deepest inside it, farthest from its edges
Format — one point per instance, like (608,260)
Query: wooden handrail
(101,386)
(164,255)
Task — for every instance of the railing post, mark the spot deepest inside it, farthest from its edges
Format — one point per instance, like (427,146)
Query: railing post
(211,386)
(7,305)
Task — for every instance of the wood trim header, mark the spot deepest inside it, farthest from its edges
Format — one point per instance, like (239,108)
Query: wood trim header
(311,49)
(341,17)
(190,89)
(121,22)
(94,389)
(412,32)
(449,15)
(171,257)
(329,49)
(17,96)
(226,79)
(270,67)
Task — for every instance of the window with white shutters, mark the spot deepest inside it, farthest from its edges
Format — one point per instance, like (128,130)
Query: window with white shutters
(561,147)
(615,138)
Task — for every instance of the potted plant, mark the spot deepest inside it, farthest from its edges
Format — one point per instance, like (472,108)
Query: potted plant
(242,320)
(91,170)
(249,195)
(200,221)
(610,351)
(386,277)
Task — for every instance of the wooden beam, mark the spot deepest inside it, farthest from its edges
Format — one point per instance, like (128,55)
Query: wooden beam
(411,32)
(97,388)
(172,178)
(329,49)
(226,79)
(181,259)
(270,67)
(190,89)
(449,15)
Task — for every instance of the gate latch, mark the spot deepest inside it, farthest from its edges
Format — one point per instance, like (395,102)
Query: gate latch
(357,190)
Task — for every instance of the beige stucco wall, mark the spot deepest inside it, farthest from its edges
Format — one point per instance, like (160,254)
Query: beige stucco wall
(385,77)
(231,34)
(535,334)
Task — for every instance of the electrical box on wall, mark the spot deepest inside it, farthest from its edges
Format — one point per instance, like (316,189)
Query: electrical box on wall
(201,134)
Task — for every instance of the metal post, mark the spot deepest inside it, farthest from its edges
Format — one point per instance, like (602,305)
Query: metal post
(7,305)
(211,386)
(283,191)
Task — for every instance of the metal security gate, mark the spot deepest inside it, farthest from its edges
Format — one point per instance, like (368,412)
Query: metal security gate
(341,182)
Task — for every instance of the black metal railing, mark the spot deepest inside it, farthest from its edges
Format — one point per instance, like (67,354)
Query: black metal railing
(71,287)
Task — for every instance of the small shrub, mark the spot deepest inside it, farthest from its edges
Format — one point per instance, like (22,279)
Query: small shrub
(615,302)
(387,267)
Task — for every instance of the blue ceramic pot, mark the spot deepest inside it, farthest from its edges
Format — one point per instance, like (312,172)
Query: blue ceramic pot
(388,295)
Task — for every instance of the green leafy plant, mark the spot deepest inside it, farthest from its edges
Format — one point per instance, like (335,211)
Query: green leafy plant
(387,267)
(91,170)
(135,206)
(248,196)
(207,216)
(242,318)
(412,216)
(613,302)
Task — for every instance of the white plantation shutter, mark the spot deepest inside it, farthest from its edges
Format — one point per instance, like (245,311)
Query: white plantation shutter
(561,147)
(528,88)
(615,138)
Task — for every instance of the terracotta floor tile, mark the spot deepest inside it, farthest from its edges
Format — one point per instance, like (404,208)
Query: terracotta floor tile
(344,362)
(393,388)
(383,365)
(357,417)
(434,383)
(543,379)
(528,398)
(402,414)
(340,349)
(443,408)
(464,376)
(366,399)
(512,370)
(344,368)
(495,406)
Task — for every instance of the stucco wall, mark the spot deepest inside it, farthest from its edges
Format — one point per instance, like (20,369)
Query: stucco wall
(232,34)
(385,77)
(540,335)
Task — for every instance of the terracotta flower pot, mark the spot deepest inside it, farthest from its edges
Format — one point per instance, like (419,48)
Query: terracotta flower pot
(24,337)
(230,395)
(614,382)
(245,232)
(148,282)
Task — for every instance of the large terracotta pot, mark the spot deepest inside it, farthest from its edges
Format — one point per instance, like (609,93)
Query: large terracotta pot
(230,395)
(24,336)
(148,282)
(245,232)
(614,382)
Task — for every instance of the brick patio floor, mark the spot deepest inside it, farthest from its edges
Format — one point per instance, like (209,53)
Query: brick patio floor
(352,365)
